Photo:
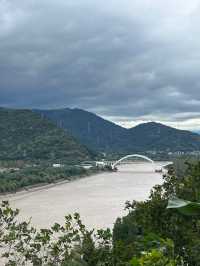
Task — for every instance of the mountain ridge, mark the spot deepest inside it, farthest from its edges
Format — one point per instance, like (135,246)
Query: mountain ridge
(100,134)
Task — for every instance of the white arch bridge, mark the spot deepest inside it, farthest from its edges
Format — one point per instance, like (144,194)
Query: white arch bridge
(142,157)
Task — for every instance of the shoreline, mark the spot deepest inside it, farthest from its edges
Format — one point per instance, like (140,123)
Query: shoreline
(44,186)
(94,196)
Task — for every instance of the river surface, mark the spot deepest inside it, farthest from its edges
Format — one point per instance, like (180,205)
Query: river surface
(99,199)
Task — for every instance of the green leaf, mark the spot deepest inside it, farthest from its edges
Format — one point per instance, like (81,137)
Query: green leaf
(184,206)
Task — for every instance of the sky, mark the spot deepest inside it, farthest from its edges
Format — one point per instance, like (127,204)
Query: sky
(130,61)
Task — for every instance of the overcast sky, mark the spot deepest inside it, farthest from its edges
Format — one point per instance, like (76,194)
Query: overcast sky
(127,60)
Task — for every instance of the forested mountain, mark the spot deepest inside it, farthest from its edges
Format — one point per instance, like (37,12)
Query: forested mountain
(156,136)
(103,135)
(26,135)
(92,130)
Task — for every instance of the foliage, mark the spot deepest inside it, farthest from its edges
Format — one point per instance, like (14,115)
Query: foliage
(152,217)
(184,206)
(28,176)
(68,244)
(103,135)
(153,258)
(26,135)
(150,235)
(180,164)
(90,129)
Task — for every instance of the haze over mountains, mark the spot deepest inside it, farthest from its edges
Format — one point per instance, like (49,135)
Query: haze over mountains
(102,135)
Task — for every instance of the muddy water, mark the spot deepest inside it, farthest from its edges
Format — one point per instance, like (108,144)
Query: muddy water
(99,199)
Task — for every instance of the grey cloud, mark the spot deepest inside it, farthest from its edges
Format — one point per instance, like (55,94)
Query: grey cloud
(134,59)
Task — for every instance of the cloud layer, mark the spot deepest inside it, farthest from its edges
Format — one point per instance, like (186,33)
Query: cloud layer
(128,60)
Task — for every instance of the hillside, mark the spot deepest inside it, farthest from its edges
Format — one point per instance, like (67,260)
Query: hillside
(159,137)
(26,135)
(92,130)
(102,135)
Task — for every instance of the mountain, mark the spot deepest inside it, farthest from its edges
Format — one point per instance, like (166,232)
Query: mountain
(102,135)
(159,137)
(92,130)
(26,135)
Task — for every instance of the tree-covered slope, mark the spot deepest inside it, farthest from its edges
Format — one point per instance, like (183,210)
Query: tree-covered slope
(159,137)
(26,135)
(92,130)
(102,135)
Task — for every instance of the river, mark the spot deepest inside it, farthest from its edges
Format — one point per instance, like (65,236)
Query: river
(99,199)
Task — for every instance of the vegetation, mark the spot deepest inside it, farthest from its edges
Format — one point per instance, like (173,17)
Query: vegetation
(17,179)
(150,235)
(90,129)
(70,244)
(36,175)
(153,217)
(158,137)
(25,135)
(180,164)
(103,135)
(14,180)
(185,207)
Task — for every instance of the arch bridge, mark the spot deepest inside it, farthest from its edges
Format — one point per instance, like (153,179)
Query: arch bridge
(132,156)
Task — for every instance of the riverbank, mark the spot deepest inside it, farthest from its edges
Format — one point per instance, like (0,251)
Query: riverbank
(33,178)
(45,186)
(99,198)
(147,224)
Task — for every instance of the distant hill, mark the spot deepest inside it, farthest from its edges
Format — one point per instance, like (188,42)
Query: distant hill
(102,135)
(92,130)
(159,137)
(26,135)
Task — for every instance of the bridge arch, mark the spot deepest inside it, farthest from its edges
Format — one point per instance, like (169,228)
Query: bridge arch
(130,156)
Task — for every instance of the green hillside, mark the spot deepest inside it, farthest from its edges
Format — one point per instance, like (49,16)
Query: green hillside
(92,130)
(25,135)
(102,135)
(159,137)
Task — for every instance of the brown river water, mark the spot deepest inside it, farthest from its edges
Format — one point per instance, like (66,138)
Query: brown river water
(99,199)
